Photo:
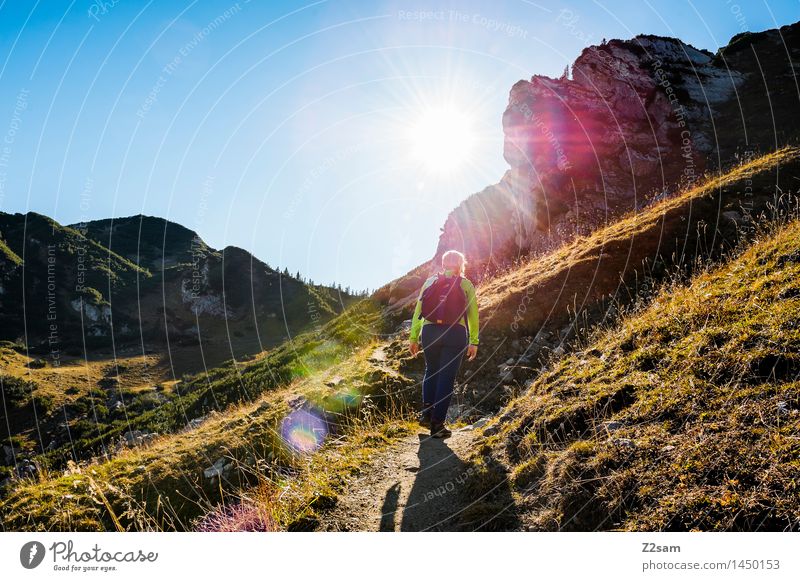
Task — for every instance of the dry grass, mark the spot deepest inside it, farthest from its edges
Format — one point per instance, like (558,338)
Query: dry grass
(684,417)
(161,486)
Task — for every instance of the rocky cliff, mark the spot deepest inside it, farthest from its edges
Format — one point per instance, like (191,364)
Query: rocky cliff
(634,121)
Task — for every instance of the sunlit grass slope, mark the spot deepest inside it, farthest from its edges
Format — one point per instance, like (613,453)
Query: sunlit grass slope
(162,486)
(684,417)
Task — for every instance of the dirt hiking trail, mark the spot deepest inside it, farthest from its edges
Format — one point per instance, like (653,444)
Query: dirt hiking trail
(415,485)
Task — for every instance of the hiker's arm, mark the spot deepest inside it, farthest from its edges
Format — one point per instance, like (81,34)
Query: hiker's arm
(472,312)
(416,321)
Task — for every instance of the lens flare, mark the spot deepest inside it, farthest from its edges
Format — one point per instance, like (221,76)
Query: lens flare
(303,431)
(343,401)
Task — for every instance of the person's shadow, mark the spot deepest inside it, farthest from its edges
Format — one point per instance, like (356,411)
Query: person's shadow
(434,498)
(441,474)
(436,495)
(439,497)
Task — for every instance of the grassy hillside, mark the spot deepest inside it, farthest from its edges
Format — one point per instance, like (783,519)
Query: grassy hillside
(700,221)
(684,417)
(145,280)
(8,256)
(97,343)
(162,484)
(103,405)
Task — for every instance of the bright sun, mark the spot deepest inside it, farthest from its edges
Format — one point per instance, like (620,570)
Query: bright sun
(442,139)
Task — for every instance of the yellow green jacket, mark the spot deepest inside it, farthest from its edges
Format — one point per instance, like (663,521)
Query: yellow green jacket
(418,321)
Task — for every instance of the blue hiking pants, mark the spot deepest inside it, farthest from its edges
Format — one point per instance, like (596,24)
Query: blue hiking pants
(444,347)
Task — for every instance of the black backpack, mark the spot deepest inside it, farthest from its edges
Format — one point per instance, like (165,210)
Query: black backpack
(444,301)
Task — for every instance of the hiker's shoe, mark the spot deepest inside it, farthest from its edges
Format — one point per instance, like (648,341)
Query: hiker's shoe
(424,417)
(440,431)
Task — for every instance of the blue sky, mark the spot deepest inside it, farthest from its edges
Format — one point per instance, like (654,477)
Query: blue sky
(288,128)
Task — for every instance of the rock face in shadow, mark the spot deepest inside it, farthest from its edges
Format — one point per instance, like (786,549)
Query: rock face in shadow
(634,121)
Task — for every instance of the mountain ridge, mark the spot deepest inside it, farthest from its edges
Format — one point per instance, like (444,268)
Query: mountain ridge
(144,279)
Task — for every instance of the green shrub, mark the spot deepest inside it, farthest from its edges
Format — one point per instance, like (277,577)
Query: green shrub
(17,391)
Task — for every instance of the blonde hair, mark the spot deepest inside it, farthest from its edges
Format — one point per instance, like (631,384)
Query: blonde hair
(454,260)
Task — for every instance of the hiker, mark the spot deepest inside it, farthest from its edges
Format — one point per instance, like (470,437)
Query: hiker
(446,321)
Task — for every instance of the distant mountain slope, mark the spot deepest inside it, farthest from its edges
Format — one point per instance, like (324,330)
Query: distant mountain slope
(684,417)
(145,278)
(57,269)
(701,382)
(151,242)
